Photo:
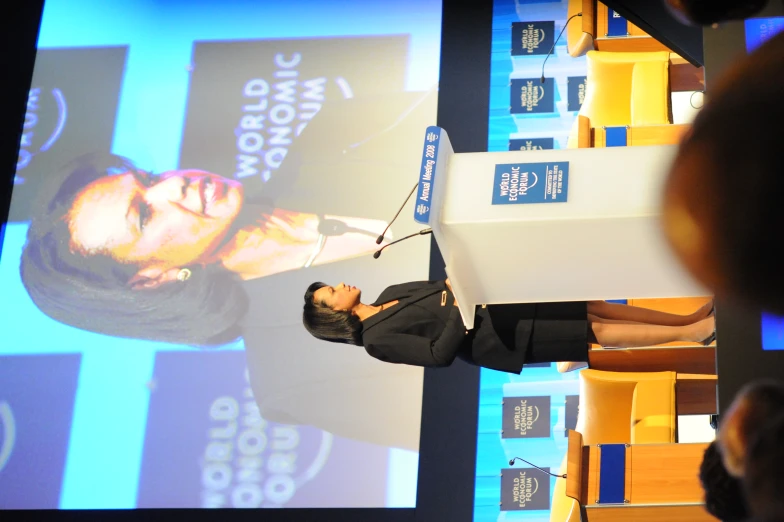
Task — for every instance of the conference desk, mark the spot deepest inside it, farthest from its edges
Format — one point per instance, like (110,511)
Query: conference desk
(739,356)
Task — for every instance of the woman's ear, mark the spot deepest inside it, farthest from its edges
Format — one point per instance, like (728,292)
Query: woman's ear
(153,277)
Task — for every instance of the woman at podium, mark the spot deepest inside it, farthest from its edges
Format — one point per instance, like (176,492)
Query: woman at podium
(419,323)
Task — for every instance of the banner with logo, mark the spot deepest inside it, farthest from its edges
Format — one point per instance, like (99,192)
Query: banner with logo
(521,183)
(576,86)
(206,446)
(37,394)
(532,38)
(71,110)
(531,96)
(532,144)
(526,417)
(525,489)
(249,101)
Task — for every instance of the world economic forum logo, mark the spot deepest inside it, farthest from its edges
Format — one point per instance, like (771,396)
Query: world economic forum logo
(531,144)
(251,463)
(8,431)
(531,38)
(531,95)
(526,417)
(524,489)
(45,119)
(276,111)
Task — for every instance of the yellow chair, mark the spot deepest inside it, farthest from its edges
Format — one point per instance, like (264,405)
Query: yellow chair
(624,89)
(627,89)
(619,408)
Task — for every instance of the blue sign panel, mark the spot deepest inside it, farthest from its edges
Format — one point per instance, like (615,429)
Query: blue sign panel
(772,332)
(532,38)
(612,474)
(426,173)
(615,137)
(531,96)
(616,24)
(519,183)
(758,30)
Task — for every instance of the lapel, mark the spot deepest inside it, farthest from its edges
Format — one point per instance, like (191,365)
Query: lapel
(406,295)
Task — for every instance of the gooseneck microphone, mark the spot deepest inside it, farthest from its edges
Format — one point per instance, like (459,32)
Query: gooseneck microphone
(512,461)
(422,232)
(381,237)
(550,52)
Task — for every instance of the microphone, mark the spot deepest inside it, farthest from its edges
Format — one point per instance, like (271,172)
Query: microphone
(512,461)
(422,232)
(381,237)
(556,41)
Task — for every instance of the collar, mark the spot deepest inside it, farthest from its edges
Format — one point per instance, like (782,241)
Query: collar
(405,297)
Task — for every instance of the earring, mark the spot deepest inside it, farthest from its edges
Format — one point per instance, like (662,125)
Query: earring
(183,275)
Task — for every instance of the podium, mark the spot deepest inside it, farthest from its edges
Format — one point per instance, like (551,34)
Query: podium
(641,482)
(549,225)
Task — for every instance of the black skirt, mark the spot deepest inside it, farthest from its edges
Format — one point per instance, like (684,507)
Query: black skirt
(560,333)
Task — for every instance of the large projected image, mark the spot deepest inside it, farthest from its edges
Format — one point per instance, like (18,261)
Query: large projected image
(183,174)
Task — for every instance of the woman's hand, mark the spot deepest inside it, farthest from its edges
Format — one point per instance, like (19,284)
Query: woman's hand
(286,240)
(353,244)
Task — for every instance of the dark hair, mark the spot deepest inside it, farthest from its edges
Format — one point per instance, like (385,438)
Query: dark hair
(743,177)
(91,292)
(723,493)
(765,399)
(327,324)
(764,470)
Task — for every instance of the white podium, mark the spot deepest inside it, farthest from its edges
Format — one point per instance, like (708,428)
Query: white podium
(508,235)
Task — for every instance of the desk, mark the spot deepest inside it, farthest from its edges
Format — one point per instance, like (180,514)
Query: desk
(739,355)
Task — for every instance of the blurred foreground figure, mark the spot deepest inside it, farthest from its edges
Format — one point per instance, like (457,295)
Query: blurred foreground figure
(709,12)
(764,473)
(723,209)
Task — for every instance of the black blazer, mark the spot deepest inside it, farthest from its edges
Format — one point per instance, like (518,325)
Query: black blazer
(409,333)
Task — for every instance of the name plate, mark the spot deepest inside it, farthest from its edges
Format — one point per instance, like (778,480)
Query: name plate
(521,183)
(427,172)
(612,474)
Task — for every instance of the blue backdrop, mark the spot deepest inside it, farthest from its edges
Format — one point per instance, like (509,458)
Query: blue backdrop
(497,495)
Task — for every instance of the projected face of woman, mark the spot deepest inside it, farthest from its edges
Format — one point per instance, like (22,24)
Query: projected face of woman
(161,225)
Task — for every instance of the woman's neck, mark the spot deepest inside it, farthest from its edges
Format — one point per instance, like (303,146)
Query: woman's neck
(364,311)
